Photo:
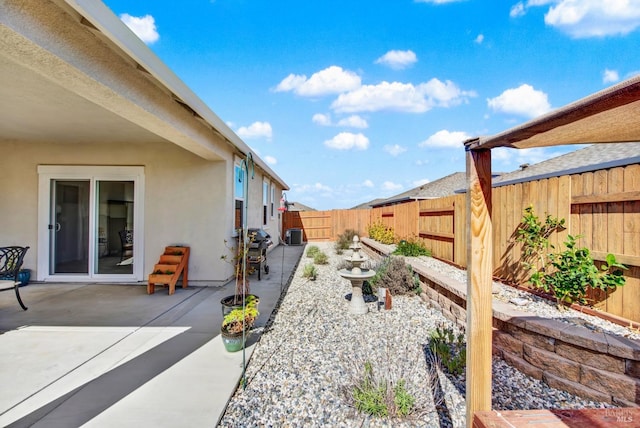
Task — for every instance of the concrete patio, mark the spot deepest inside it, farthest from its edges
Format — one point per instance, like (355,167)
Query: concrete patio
(103,355)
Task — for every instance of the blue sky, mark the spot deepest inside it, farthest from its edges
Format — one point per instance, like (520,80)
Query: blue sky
(349,101)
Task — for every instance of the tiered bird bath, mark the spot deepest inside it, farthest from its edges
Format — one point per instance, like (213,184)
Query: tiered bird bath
(357,275)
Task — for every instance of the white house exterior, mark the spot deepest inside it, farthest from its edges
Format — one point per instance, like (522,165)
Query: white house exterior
(97,135)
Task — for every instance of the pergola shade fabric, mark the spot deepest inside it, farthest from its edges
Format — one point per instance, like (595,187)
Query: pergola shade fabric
(611,115)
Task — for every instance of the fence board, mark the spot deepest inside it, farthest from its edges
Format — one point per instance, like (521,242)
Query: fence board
(615,227)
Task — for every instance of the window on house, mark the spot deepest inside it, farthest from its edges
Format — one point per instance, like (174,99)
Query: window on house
(238,195)
(273,200)
(265,201)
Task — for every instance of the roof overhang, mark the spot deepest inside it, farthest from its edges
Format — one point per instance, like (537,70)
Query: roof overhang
(73,73)
(609,116)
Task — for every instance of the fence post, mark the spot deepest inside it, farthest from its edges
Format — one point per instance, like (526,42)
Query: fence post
(479,283)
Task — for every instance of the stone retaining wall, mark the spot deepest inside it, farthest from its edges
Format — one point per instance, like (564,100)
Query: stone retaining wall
(593,365)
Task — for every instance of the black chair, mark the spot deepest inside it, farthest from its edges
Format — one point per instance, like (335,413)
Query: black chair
(11,259)
(126,241)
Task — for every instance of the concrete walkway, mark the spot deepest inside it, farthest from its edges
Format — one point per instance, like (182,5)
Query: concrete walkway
(102,355)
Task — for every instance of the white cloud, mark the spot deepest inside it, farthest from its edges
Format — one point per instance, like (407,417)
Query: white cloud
(522,101)
(321,119)
(144,27)
(610,76)
(354,121)
(479,39)
(405,97)
(312,188)
(418,183)
(395,150)
(368,183)
(256,130)
(391,186)
(398,60)
(517,9)
(587,18)
(331,80)
(270,160)
(348,141)
(513,158)
(447,139)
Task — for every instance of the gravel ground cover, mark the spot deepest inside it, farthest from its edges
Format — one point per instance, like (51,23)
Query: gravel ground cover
(314,350)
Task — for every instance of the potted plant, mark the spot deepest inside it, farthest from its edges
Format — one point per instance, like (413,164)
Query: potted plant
(237,324)
(242,269)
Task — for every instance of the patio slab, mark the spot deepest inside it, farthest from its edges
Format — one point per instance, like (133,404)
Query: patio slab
(104,355)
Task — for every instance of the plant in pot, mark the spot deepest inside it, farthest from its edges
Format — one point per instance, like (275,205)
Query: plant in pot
(238,258)
(237,324)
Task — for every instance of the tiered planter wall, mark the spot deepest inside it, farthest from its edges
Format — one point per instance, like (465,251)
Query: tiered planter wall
(172,264)
(581,361)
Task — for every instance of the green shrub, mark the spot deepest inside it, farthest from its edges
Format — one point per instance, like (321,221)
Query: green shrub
(574,271)
(450,349)
(310,271)
(345,239)
(320,258)
(411,248)
(567,274)
(312,251)
(396,276)
(381,233)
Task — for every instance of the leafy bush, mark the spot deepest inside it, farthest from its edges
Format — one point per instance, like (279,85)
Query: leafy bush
(345,239)
(396,276)
(567,274)
(411,248)
(320,258)
(310,271)
(381,233)
(575,270)
(312,251)
(450,349)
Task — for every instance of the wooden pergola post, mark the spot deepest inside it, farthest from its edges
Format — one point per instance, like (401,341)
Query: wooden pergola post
(479,283)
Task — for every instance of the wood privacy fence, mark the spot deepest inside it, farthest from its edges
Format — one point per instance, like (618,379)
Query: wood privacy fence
(602,206)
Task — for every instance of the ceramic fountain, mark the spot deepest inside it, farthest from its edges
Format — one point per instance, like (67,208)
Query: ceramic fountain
(357,275)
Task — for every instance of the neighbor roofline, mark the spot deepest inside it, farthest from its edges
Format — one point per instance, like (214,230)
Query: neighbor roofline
(104,20)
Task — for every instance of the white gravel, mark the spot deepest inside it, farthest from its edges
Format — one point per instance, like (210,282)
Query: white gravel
(314,350)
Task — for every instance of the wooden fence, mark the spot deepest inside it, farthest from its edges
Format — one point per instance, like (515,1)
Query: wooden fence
(602,206)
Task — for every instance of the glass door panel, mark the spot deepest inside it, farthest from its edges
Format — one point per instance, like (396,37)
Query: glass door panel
(114,227)
(69,227)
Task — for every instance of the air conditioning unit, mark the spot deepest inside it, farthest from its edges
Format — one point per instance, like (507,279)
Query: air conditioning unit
(294,236)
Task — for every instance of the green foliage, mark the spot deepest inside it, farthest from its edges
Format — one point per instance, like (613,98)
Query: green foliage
(411,247)
(310,271)
(381,233)
(567,274)
(320,258)
(377,397)
(312,251)
(396,276)
(242,318)
(450,348)
(574,271)
(345,239)
(403,400)
(534,236)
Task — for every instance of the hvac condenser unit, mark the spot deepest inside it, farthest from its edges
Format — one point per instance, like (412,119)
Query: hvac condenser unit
(294,236)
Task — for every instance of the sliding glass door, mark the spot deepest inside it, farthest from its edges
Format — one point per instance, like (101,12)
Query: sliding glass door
(91,220)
